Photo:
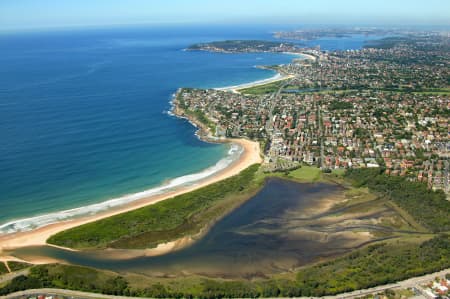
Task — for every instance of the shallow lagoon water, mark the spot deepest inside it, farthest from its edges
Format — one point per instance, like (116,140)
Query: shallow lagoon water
(267,234)
(84,119)
(83,112)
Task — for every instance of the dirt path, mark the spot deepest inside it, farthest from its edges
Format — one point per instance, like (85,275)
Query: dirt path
(10,276)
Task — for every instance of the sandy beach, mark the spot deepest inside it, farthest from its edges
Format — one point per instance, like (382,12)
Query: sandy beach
(302,55)
(38,237)
(276,78)
(250,155)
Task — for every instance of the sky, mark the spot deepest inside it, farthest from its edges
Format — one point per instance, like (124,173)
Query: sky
(35,14)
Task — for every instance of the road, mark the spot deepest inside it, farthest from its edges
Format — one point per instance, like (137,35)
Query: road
(321,135)
(409,283)
(412,282)
(9,276)
(273,100)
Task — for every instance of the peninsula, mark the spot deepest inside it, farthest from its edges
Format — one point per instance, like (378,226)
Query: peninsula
(373,121)
(244,46)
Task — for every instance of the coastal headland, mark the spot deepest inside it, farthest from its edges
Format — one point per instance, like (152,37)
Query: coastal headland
(251,154)
(382,228)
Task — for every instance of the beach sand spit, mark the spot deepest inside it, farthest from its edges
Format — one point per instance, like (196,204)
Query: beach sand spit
(38,237)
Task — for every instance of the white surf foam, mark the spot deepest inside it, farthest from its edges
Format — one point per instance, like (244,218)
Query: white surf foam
(188,180)
(276,77)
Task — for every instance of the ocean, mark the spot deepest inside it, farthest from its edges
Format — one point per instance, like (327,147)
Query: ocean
(84,115)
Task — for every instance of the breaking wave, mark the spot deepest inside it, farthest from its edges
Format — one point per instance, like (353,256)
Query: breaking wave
(27,224)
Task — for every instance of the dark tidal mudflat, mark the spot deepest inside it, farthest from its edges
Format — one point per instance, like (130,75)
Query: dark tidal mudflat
(285,226)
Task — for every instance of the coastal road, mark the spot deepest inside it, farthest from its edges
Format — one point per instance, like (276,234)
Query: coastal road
(409,283)
(321,135)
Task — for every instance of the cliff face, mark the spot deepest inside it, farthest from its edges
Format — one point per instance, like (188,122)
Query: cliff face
(203,131)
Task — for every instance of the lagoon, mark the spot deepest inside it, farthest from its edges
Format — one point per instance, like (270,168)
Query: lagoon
(276,230)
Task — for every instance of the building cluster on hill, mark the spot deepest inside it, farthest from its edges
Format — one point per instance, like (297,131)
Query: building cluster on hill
(394,69)
(348,109)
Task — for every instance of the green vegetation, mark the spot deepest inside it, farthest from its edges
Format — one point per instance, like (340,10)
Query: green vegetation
(377,264)
(170,219)
(199,115)
(306,174)
(429,208)
(340,92)
(423,91)
(419,43)
(17,266)
(202,118)
(3,269)
(21,283)
(240,46)
(68,277)
(437,91)
(264,88)
(401,257)
(374,265)
(174,218)
(338,172)
(339,105)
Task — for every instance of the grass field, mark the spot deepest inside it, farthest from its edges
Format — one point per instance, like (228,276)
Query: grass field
(264,88)
(306,174)
(338,172)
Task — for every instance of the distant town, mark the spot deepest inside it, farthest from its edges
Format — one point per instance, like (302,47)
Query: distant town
(386,105)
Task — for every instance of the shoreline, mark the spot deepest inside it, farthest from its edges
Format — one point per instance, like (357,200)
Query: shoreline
(35,222)
(251,155)
(277,77)
(305,56)
(38,237)
(325,204)
(235,88)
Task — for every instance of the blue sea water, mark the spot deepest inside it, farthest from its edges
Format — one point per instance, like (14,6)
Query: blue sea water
(83,113)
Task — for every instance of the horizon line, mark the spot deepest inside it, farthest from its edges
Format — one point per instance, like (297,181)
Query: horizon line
(54,28)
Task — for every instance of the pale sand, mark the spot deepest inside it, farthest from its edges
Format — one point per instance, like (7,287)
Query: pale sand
(38,237)
(277,77)
(303,55)
(8,258)
(124,254)
(237,88)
